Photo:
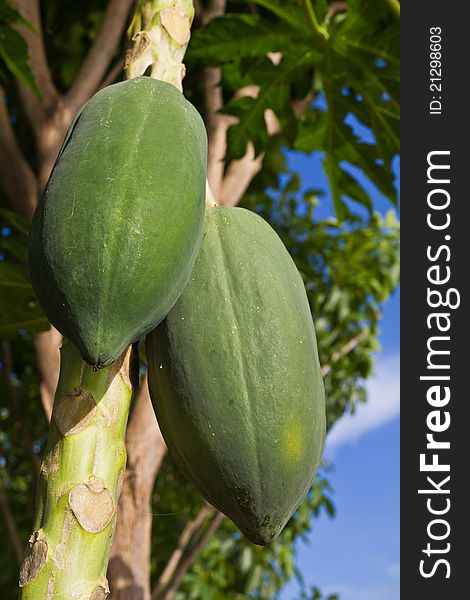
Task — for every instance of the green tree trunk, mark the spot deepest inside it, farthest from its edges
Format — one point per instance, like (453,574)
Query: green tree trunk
(79,484)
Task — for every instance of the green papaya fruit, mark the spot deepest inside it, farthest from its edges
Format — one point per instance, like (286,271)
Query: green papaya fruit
(116,233)
(235,378)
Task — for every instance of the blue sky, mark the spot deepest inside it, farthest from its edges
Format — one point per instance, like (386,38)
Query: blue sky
(356,554)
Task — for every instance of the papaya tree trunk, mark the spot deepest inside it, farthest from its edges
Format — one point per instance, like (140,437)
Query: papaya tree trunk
(80,480)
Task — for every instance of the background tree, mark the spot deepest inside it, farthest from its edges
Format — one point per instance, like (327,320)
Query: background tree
(267,76)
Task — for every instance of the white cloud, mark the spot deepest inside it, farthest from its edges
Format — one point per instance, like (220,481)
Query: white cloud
(382,406)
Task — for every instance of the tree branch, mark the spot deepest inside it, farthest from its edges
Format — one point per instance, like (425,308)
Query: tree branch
(11,526)
(198,10)
(47,115)
(214,8)
(36,108)
(216,124)
(192,555)
(187,533)
(346,349)
(47,350)
(113,73)
(240,173)
(17,178)
(129,566)
(335,7)
(100,55)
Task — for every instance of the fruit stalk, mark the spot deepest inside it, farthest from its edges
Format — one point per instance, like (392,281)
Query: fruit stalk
(79,483)
(159,34)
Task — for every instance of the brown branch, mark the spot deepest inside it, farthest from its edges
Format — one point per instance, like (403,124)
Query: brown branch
(46,347)
(346,349)
(17,178)
(240,173)
(186,535)
(192,555)
(216,124)
(47,115)
(100,55)
(26,439)
(36,108)
(338,6)
(214,8)
(300,106)
(113,73)
(129,566)
(11,526)
(198,10)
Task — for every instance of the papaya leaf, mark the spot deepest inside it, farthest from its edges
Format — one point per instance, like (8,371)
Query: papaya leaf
(9,14)
(291,13)
(18,223)
(234,35)
(352,74)
(11,276)
(274,93)
(334,174)
(359,83)
(14,53)
(18,306)
(311,131)
(369,50)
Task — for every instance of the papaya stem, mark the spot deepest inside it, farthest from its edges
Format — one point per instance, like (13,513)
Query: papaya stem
(79,484)
(159,35)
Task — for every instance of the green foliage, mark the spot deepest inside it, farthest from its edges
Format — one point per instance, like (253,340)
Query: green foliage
(18,306)
(14,56)
(348,64)
(70,27)
(17,472)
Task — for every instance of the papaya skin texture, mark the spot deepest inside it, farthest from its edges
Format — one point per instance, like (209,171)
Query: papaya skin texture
(235,378)
(119,225)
